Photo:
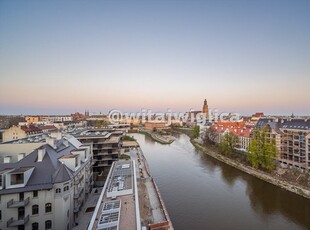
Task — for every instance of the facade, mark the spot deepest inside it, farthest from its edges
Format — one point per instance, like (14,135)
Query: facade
(60,118)
(46,188)
(292,141)
(155,125)
(19,132)
(35,119)
(239,129)
(14,133)
(107,147)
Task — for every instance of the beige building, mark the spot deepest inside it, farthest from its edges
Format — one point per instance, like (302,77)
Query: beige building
(292,141)
(24,131)
(13,133)
(155,125)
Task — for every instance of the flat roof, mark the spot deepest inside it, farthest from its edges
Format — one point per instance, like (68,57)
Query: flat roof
(116,207)
(94,133)
(121,179)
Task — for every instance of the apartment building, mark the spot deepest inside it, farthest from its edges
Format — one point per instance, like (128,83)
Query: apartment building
(292,140)
(19,132)
(47,187)
(107,147)
(240,129)
(60,118)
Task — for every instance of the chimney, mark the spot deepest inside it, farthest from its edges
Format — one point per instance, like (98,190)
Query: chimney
(7,159)
(65,142)
(51,142)
(20,156)
(41,153)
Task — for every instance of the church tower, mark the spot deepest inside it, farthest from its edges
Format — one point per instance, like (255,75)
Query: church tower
(205,108)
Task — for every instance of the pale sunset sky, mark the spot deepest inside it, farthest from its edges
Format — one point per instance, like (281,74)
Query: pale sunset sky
(59,57)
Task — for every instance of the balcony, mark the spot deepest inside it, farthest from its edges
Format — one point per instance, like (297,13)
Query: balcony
(78,180)
(17,204)
(77,207)
(88,188)
(13,223)
(78,193)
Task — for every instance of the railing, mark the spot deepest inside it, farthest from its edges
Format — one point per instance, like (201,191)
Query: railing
(77,207)
(12,223)
(80,190)
(16,204)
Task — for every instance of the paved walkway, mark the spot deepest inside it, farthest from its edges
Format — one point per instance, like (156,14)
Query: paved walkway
(158,215)
(84,217)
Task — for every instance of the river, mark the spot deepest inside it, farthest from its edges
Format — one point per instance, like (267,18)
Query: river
(202,193)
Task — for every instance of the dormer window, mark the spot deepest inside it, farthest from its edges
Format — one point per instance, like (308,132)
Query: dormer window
(17,178)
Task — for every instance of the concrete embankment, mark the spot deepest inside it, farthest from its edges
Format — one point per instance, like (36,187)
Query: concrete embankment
(299,190)
(157,211)
(158,138)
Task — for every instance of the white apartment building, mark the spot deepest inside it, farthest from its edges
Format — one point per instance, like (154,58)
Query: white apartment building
(46,188)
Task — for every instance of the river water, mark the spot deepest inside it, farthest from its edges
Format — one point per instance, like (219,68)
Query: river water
(203,193)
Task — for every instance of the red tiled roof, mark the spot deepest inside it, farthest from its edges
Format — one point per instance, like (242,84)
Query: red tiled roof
(258,115)
(237,128)
(30,128)
(46,127)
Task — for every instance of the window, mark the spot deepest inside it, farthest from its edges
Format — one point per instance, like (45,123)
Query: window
(48,207)
(21,196)
(35,226)
(35,209)
(66,188)
(76,162)
(58,190)
(21,213)
(35,193)
(17,179)
(48,224)
(0,215)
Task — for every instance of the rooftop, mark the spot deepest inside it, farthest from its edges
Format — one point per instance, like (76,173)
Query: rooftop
(117,207)
(69,156)
(50,165)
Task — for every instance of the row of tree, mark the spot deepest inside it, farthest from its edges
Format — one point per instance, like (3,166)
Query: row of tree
(262,150)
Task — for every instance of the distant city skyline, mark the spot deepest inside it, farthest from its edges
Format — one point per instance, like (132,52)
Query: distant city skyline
(61,57)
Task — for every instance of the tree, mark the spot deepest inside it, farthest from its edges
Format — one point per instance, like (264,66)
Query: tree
(196,131)
(101,123)
(210,136)
(262,150)
(228,143)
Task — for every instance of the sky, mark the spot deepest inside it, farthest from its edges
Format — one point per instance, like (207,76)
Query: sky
(59,57)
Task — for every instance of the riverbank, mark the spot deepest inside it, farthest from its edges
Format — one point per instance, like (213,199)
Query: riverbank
(299,190)
(162,139)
